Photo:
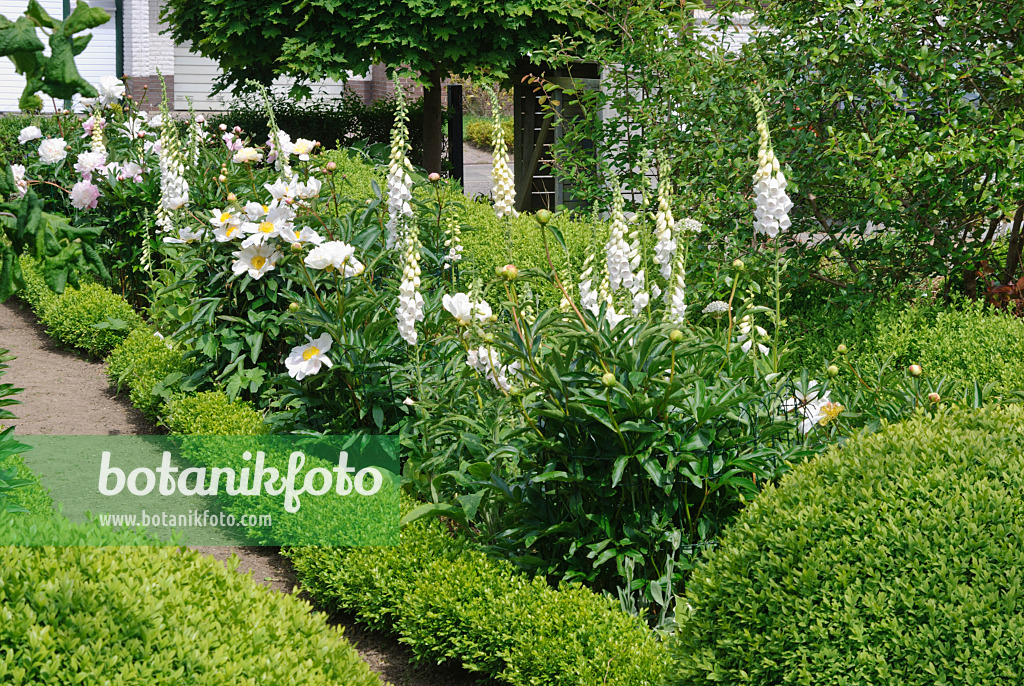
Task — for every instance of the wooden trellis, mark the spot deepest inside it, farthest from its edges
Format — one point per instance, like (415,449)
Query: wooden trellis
(538,185)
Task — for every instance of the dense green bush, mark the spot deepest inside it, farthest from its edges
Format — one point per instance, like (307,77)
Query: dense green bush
(893,560)
(449,602)
(79,613)
(211,413)
(92,318)
(965,342)
(142,361)
(12,152)
(480,132)
(36,293)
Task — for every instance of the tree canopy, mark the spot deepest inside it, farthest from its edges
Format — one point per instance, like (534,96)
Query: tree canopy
(318,39)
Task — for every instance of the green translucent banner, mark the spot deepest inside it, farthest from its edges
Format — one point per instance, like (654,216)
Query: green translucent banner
(222,490)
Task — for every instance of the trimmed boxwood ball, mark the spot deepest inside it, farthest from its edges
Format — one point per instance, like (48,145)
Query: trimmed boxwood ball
(72,316)
(895,559)
(150,615)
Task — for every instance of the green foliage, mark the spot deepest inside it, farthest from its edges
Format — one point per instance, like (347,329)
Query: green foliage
(54,74)
(121,612)
(30,495)
(328,40)
(965,343)
(150,366)
(91,318)
(920,134)
(13,152)
(211,413)
(36,293)
(449,602)
(894,559)
(480,132)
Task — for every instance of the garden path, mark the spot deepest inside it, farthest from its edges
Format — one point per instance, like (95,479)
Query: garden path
(67,395)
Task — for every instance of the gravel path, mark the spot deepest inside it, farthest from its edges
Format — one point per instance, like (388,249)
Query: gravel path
(65,394)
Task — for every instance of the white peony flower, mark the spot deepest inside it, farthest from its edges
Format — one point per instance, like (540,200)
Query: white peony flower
(88,162)
(304,234)
(306,360)
(810,403)
(335,256)
(280,189)
(247,155)
(303,147)
(309,189)
(110,89)
(84,195)
(254,211)
(257,260)
(278,222)
(52,150)
(29,133)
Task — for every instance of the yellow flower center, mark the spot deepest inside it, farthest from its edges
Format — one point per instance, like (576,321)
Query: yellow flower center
(266,227)
(231,230)
(258,261)
(310,352)
(297,234)
(226,216)
(829,412)
(265,209)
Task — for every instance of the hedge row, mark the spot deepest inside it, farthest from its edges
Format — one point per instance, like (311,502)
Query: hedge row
(450,602)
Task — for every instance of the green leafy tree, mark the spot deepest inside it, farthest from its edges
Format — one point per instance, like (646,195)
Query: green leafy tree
(908,113)
(321,39)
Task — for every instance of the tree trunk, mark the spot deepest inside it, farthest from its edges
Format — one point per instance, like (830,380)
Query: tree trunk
(432,120)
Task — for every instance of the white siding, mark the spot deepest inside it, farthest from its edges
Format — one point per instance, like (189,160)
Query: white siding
(12,83)
(194,76)
(100,58)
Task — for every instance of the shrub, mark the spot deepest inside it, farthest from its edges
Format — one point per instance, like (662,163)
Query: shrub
(448,601)
(12,152)
(965,343)
(894,559)
(91,614)
(480,132)
(36,293)
(92,318)
(143,361)
(211,413)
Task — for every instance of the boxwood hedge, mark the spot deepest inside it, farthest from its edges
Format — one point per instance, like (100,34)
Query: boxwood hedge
(895,559)
(78,613)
